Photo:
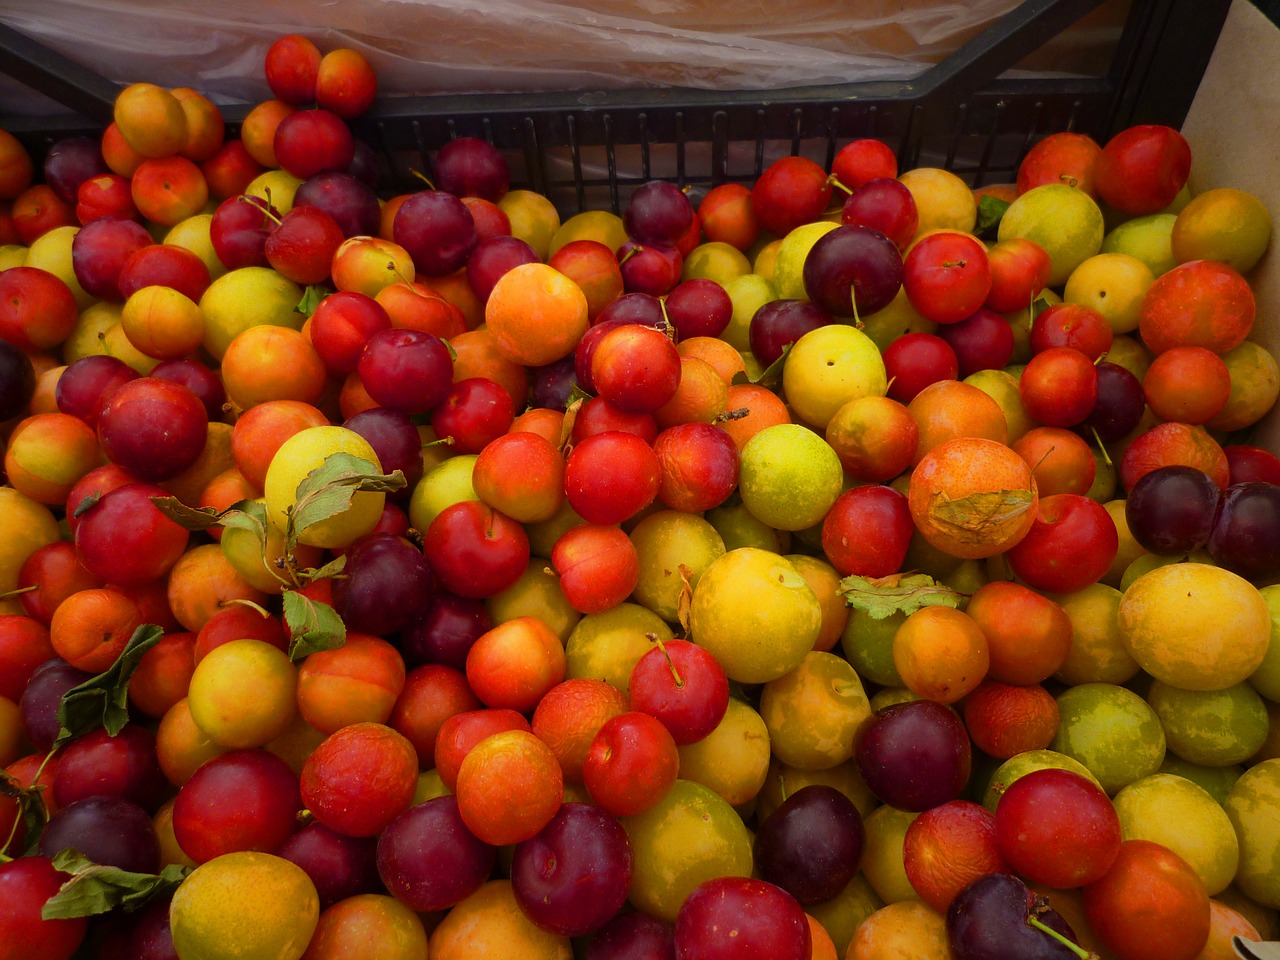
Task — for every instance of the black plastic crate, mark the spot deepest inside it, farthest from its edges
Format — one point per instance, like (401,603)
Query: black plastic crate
(589,149)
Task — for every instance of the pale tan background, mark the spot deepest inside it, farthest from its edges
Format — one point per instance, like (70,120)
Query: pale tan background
(1232,129)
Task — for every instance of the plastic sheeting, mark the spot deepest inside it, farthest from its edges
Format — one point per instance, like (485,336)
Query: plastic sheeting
(425,47)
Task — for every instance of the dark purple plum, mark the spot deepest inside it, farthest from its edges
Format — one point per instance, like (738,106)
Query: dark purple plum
(811,844)
(364,165)
(781,322)
(551,385)
(445,631)
(17,380)
(572,877)
(1119,405)
(395,440)
(914,755)
(657,213)
(437,230)
(70,162)
(990,920)
(491,258)
(853,271)
(150,937)
(1170,511)
(385,586)
(1246,530)
(633,936)
(633,308)
(112,831)
(471,167)
(408,370)
(41,697)
(429,860)
(340,866)
(351,203)
(983,341)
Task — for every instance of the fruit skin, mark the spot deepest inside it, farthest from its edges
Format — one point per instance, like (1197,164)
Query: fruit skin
(988,921)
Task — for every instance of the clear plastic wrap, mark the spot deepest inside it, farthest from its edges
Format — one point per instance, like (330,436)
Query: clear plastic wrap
(424,47)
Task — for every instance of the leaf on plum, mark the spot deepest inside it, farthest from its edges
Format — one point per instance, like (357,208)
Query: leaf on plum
(685,603)
(311,298)
(313,625)
(33,813)
(327,490)
(990,212)
(246,514)
(94,888)
(103,701)
(771,375)
(881,597)
(980,517)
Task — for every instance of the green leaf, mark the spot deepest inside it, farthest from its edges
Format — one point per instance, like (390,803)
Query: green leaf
(577,393)
(990,213)
(881,597)
(311,298)
(313,625)
(33,813)
(87,504)
(330,569)
(94,888)
(103,701)
(1038,306)
(772,375)
(327,490)
(246,514)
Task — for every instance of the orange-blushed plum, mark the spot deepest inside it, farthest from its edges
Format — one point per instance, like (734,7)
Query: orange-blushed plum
(120,158)
(594,268)
(726,216)
(1028,634)
(260,430)
(568,716)
(544,421)
(230,170)
(700,397)
(360,778)
(941,653)
(432,694)
(48,453)
(163,674)
(721,355)
(598,566)
(49,575)
(1061,459)
(181,746)
(90,628)
(476,355)
(345,83)
(948,409)
(875,437)
(462,731)
(258,130)
(257,673)
(237,621)
(509,786)
(1170,443)
(202,582)
(168,190)
(749,408)
(513,664)
(522,475)
(1150,904)
(151,119)
(369,925)
(359,681)
(415,306)
(272,363)
(37,210)
(631,765)
(162,322)
(206,129)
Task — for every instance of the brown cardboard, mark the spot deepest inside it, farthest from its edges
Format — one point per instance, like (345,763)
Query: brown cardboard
(1231,128)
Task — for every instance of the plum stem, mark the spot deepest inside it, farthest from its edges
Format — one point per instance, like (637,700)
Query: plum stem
(654,638)
(422,176)
(1102,447)
(834,181)
(267,212)
(18,591)
(1079,951)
